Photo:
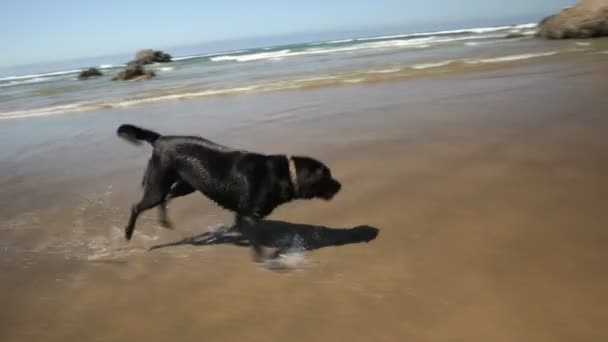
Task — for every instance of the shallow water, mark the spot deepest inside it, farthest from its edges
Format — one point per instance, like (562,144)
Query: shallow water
(488,190)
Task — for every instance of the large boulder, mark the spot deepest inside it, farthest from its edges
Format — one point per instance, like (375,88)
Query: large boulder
(150,56)
(587,19)
(91,72)
(134,71)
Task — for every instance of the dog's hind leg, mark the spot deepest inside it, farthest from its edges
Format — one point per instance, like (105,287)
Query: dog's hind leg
(179,189)
(158,182)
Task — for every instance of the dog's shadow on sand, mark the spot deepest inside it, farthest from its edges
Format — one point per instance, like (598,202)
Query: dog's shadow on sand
(284,236)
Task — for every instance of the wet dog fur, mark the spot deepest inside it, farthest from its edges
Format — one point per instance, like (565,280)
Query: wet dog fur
(249,184)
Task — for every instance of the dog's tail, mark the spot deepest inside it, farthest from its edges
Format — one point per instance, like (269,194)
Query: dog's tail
(135,135)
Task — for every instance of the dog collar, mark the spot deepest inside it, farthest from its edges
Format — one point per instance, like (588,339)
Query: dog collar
(293,174)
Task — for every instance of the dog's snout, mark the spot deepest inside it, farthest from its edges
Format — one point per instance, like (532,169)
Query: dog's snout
(331,189)
(338,185)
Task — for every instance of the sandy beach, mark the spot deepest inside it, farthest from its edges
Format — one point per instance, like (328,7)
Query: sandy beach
(488,189)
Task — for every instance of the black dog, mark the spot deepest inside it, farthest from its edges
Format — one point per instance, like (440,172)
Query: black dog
(249,184)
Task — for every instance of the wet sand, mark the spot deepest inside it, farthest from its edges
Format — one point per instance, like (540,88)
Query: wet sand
(488,188)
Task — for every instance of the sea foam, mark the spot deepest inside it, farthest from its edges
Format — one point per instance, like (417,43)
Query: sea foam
(512,58)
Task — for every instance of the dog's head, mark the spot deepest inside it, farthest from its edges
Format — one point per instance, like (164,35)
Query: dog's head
(315,179)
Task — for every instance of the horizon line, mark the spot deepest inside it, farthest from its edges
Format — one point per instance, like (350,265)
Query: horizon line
(202,44)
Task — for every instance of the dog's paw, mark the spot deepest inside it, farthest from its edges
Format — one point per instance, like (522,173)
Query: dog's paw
(128,233)
(258,257)
(275,265)
(166,224)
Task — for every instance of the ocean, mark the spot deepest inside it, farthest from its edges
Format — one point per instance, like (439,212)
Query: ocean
(280,68)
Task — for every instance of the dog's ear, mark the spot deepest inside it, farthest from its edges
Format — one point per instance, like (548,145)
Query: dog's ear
(308,169)
(308,173)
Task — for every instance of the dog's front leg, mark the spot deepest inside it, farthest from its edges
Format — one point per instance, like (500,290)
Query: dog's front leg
(248,226)
(163,218)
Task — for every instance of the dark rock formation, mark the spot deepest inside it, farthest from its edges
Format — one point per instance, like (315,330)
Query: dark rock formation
(134,71)
(587,19)
(91,72)
(149,56)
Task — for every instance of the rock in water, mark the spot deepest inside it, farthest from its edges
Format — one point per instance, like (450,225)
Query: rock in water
(587,19)
(134,72)
(150,56)
(91,72)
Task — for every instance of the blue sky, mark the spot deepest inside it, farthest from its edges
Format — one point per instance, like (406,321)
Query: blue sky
(48,30)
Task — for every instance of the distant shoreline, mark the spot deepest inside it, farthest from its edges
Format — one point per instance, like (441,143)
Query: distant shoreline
(99,61)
